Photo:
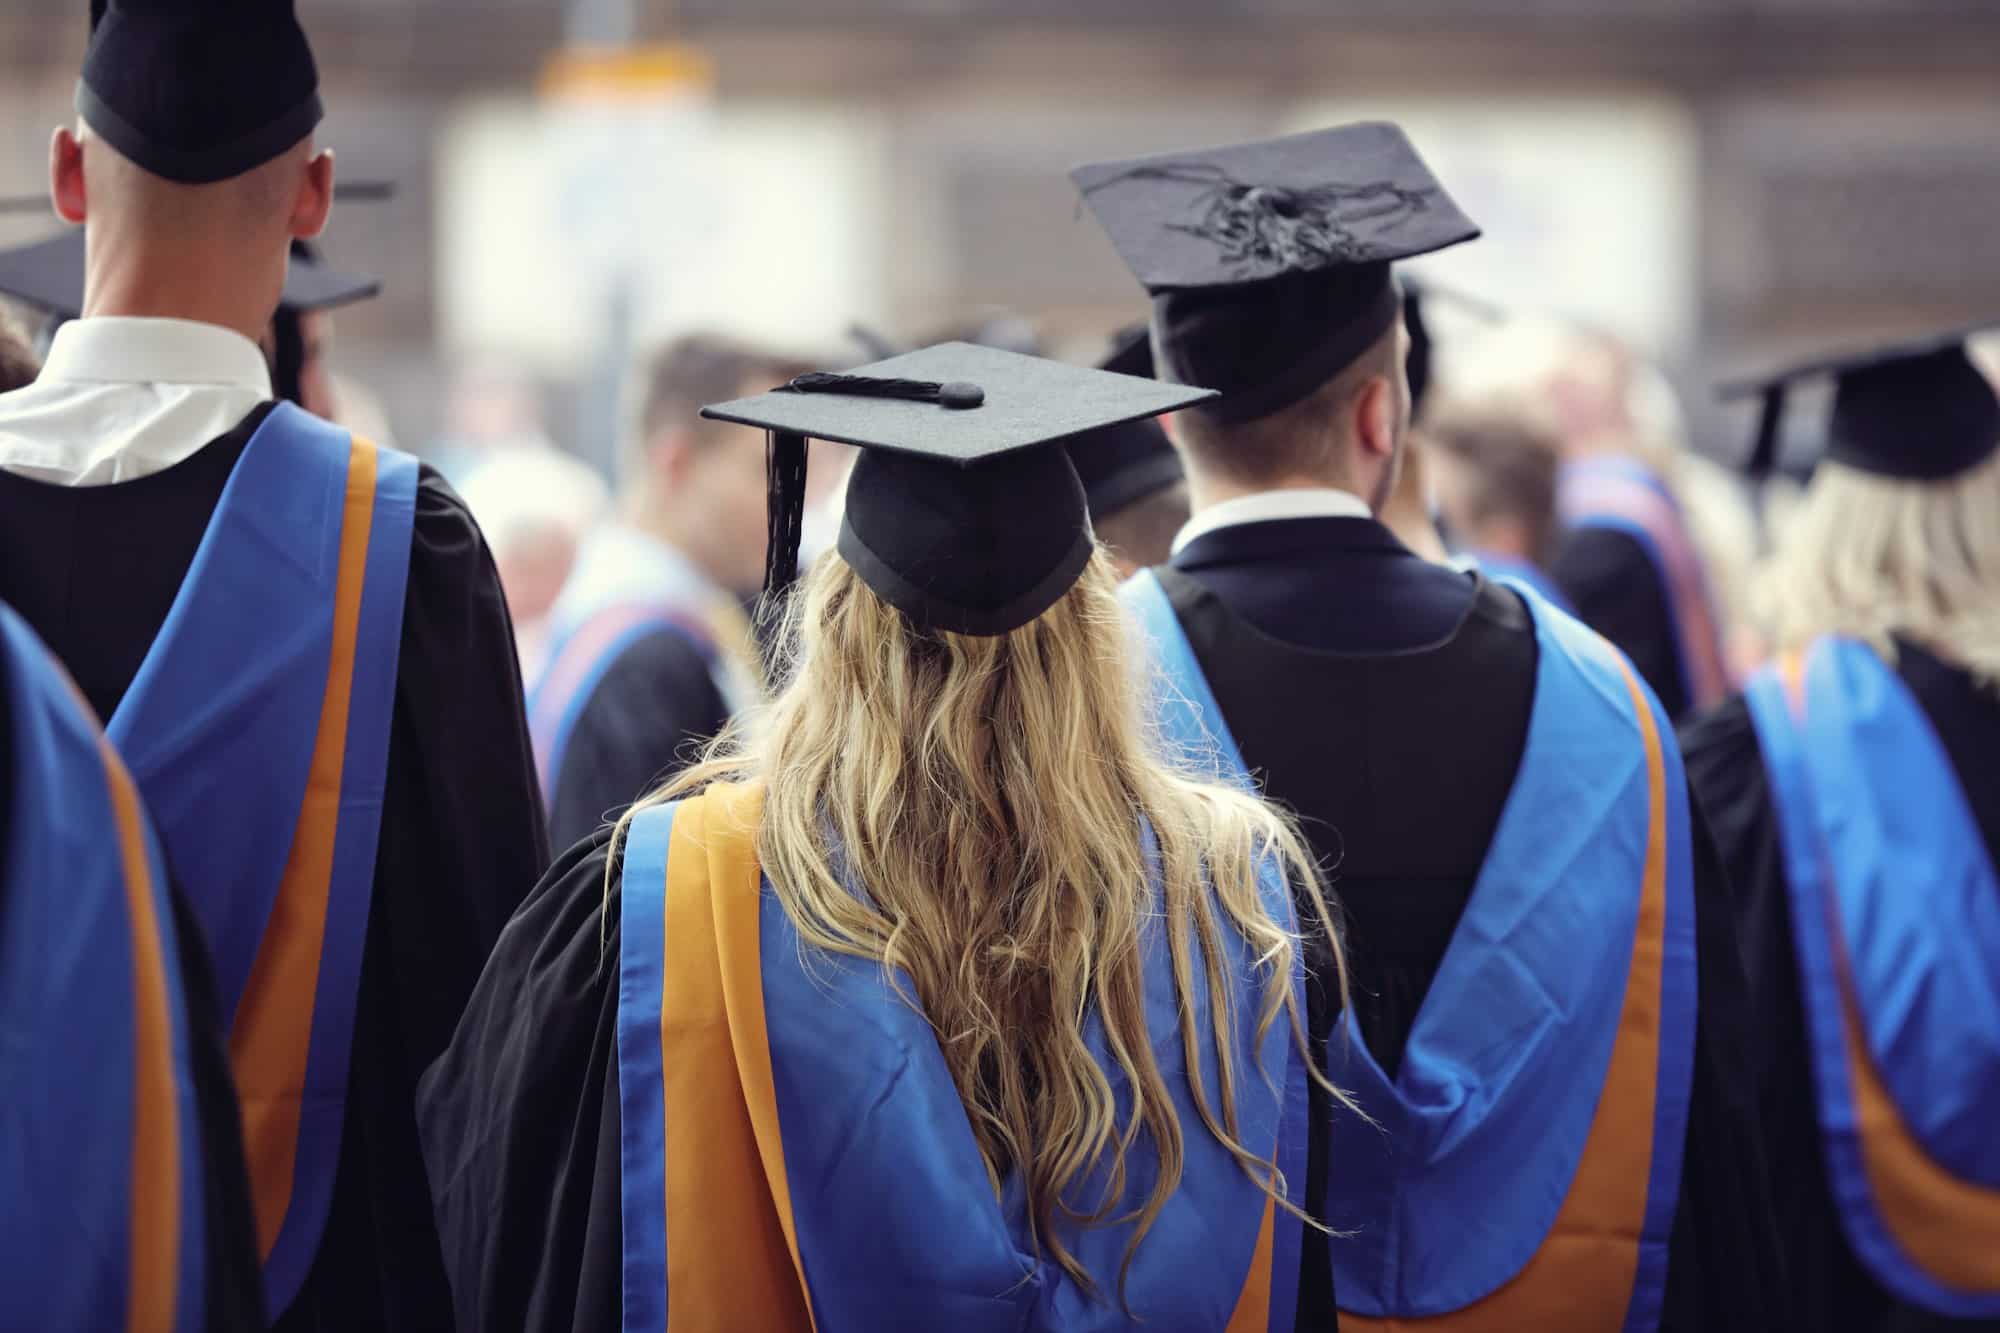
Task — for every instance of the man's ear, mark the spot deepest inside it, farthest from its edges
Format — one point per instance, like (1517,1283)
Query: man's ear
(314,201)
(66,189)
(1375,418)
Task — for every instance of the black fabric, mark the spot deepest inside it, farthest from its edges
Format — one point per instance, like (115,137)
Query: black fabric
(1922,418)
(647,716)
(1122,465)
(1386,701)
(197,91)
(95,570)
(1828,1287)
(1617,591)
(1916,411)
(973,550)
(1268,346)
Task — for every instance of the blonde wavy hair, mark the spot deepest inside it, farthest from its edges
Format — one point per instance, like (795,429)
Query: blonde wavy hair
(1873,557)
(987,793)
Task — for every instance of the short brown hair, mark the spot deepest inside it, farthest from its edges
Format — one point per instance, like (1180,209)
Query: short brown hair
(681,377)
(1301,439)
(18,363)
(1510,468)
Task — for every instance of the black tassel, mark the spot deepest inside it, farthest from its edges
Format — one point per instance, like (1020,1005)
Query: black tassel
(1764,449)
(954,394)
(785,474)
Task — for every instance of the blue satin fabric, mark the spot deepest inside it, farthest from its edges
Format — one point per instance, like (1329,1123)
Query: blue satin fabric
(1481,1131)
(1524,574)
(897,1223)
(67,1023)
(219,726)
(1874,824)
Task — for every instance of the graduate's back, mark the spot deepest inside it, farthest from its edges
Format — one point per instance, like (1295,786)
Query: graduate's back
(937,993)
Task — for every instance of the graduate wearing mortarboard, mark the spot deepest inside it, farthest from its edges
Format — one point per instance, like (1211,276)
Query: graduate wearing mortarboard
(297,639)
(1132,477)
(124,1203)
(936,997)
(649,651)
(1546,1018)
(1628,560)
(1854,788)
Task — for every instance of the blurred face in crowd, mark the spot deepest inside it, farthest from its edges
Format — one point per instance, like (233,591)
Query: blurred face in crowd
(707,493)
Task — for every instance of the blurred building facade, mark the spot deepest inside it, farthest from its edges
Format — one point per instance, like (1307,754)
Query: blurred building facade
(1715,178)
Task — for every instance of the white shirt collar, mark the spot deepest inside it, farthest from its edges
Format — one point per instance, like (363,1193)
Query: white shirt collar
(119,349)
(1270,506)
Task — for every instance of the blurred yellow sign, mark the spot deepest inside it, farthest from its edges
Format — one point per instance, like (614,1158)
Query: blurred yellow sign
(625,73)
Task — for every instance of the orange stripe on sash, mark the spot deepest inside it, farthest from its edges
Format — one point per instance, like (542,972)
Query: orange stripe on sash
(273,1030)
(1253,1307)
(1581,1278)
(732,1252)
(153,1285)
(1947,1226)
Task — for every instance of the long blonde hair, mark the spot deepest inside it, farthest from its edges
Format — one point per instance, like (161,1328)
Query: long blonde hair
(1874,557)
(987,794)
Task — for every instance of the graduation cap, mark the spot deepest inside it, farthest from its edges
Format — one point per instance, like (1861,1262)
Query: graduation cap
(198,91)
(956,514)
(1124,463)
(1268,262)
(1914,411)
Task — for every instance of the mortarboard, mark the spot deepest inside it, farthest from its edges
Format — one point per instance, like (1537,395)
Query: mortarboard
(955,515)
(1915,411)
(1124,463)
(1268,262)
(198,91)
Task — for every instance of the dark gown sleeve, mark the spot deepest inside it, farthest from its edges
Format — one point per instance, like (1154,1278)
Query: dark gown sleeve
(1825,1286)
(234,1282)
(520,1116)
(1725,1262)
(654,706)
(1616,590)
(462,841)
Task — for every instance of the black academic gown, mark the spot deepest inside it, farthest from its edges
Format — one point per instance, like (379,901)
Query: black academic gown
(1725,765)
(652,710)
(233,1284)
(1386,700)
(95,570)
(1616,590)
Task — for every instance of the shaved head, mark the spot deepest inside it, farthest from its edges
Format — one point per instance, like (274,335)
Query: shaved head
(215,253)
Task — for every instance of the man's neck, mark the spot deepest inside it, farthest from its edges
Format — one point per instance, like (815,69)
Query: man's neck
(650,521)
(155,285)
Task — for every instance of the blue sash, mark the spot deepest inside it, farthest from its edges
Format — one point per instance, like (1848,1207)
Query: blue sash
(577,660)
(625,587)
(1895,911)
(1524,574)
(258,730)
(100,1147)
(1624,495)
(1483,1181)
(880,1188)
